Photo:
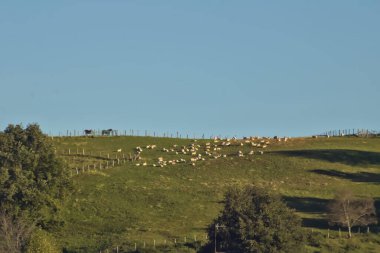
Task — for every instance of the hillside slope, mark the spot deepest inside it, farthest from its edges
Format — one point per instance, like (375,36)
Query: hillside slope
(128,204)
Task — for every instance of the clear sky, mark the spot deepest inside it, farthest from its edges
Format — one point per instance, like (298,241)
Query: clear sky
(215,67)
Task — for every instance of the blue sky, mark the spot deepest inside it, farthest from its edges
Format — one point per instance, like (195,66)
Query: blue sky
(215,67)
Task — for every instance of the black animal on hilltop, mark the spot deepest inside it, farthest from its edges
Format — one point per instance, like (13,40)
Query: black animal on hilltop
(108,132)
(88,132)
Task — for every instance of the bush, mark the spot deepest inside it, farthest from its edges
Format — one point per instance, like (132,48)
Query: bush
(42,242)
(314,239)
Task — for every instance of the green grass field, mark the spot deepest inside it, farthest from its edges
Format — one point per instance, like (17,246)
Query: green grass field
(129,204)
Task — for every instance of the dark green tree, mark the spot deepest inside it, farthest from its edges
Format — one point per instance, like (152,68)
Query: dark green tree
(253,220)
(33,181)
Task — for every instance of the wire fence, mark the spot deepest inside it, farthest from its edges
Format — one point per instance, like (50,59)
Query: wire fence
(197,241)
(352,132)
(133,132)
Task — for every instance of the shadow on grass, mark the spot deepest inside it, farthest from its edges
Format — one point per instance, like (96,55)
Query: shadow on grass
(311,206)
(345,156)
(354,177)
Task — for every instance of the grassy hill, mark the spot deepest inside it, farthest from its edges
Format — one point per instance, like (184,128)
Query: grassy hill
(128,204)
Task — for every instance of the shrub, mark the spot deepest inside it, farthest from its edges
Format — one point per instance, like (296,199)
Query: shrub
(42,242)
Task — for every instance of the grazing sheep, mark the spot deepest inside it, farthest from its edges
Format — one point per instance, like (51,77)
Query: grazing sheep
(119,150)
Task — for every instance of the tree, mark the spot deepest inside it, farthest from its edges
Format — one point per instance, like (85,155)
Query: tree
(253,220)
(33,181)
(349,211)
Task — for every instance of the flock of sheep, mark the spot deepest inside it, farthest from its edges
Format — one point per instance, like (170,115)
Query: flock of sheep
(209,150)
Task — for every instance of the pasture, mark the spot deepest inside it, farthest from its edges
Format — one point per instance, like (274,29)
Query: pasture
(160,205)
